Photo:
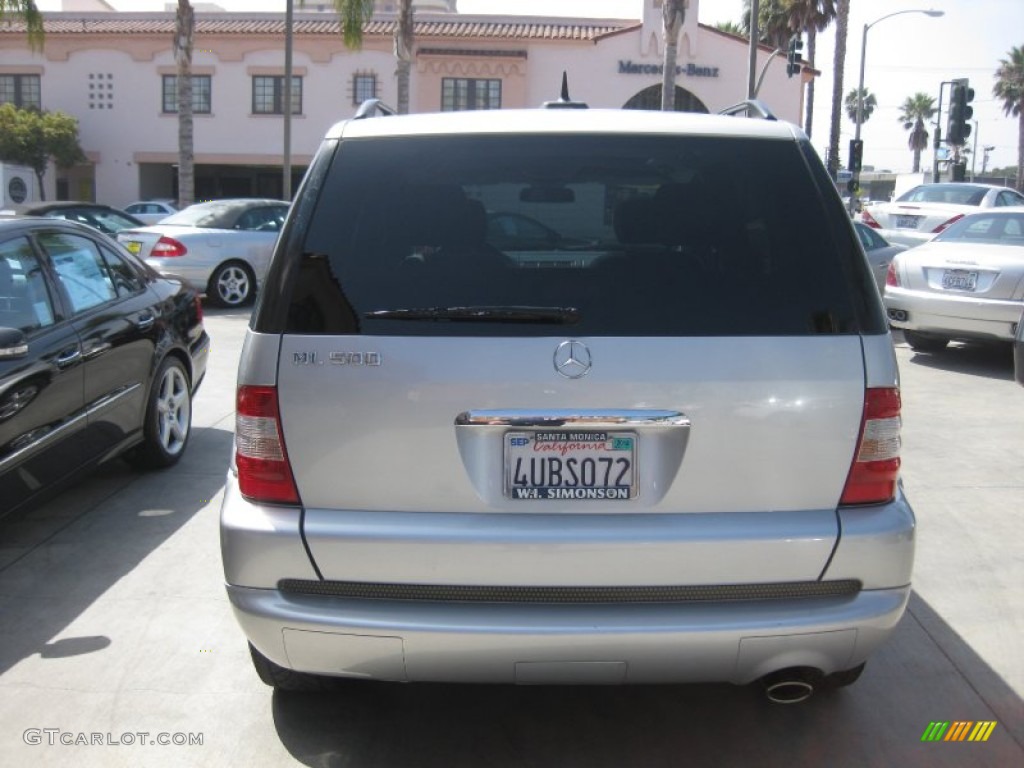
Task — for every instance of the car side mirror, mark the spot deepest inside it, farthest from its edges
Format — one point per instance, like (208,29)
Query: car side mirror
(12,343)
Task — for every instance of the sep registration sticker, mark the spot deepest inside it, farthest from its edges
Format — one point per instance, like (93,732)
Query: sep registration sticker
(570,466)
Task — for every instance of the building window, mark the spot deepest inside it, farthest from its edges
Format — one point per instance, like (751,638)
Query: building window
(268,95)
(20,90)
(364,86)
(200,94)
(101,91)
(460,93)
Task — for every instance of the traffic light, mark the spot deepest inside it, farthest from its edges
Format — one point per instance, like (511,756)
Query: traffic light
(795,46)
(960,112)
(856,155)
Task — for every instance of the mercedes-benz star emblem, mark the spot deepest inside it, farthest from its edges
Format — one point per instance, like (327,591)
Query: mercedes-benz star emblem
(572,359)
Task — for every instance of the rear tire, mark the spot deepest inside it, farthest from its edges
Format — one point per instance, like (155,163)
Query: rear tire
(232,284)
(844,677)
(924,343)
(283,679)
(168,421)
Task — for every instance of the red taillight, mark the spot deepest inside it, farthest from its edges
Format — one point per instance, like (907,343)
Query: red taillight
(891,276)
(264,474)
(199,310)
(945,224)
(868,219)
(876,465)
(168,246)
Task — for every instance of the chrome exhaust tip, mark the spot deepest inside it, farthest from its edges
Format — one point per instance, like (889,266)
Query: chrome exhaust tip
(790,686)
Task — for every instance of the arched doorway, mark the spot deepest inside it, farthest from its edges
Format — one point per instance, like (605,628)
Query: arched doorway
(650,98)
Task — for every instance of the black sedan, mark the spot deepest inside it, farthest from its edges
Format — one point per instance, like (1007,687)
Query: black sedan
(107,220)
(99,357)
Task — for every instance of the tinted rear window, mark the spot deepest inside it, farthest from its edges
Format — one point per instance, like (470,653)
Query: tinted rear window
(609,235)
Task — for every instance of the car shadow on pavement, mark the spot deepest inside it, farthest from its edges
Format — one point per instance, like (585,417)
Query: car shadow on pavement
(926,673)
(991,361)
(57,559)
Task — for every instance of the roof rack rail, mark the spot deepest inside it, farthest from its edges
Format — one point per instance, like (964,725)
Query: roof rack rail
(750,108)
(373,107)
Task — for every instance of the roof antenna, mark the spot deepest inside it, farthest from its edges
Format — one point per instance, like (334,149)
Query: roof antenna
(564,102)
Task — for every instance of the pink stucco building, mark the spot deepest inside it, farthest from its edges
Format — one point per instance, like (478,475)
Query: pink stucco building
(115,72)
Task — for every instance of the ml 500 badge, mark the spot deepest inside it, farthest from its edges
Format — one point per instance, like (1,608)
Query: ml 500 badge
(337,358)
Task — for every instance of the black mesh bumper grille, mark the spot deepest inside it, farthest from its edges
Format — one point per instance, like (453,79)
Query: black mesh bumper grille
(564,595)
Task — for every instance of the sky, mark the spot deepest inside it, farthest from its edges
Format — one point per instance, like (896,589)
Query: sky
(907,54)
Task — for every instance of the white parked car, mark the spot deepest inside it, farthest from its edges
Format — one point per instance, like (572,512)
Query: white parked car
(151,211)
(967,284)
(221,247)
(919,214)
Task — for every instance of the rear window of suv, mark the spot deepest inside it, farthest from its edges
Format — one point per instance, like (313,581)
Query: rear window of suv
(594,235)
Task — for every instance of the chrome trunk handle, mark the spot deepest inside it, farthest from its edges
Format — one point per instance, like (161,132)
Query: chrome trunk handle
(594,418)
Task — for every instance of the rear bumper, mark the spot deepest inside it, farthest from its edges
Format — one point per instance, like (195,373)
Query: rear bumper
(491,643)
(196,276)
(953,316)
(700,640)
(907,237)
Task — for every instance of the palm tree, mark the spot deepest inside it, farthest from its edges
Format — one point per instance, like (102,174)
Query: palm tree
(673,13)
(914,114)
(772,22)
(27,11)
(184,37)
(838,63)
(1009,88)
(355,13)
(850,104)
(812,17)
(730,27)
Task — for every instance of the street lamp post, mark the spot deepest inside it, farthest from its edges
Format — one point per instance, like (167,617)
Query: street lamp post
(752,51)
(860,88)
(286,160)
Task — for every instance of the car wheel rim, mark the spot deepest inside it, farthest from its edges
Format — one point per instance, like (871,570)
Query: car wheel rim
(233,285)
(173,411)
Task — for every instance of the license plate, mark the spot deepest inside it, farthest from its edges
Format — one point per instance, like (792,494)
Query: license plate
(959,280)
(907,222)
(133,246)
(570,465)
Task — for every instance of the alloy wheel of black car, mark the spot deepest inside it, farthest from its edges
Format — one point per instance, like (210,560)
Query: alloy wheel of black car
(168,418)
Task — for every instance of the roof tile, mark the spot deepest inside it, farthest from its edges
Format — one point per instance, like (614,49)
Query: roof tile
(426,27)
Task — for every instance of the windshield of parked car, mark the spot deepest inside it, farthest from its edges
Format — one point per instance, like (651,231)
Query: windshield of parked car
(957,194)
(1005,229)
(616,235)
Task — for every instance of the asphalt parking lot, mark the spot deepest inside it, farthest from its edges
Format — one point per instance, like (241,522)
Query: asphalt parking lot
(116,634)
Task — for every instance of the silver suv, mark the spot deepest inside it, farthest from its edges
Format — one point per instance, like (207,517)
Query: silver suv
(658,444)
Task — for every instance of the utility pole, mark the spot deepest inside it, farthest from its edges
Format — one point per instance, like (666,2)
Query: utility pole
(286,165)
(974,151)
(937,143)
(752,63)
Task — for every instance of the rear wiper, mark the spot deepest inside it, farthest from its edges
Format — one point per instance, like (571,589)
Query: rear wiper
(483,314)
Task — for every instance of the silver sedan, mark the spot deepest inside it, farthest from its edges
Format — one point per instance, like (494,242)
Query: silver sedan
(221,247)
(919,214)
(967,284)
